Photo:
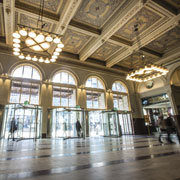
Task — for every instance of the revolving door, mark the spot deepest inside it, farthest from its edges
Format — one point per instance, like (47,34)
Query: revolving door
(103,123)
(63,122)
(111,124)
(27,119)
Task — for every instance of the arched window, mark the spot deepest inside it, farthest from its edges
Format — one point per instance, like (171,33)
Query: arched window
(95,98)
(119,87)
(64,78)
(64,89)
(120,96)
(25,85)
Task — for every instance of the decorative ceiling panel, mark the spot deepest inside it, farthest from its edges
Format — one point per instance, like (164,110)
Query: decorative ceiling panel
(49,5)
(105,51)
(74,41)
(32,22)
(166,42)
(135,61)
(96,12)
(144,18)
(175,3)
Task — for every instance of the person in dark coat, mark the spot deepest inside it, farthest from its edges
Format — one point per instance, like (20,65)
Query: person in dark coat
(78,128)
(13,128)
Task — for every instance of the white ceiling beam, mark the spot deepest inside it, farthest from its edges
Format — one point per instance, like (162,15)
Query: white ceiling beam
(146,40)
(130,8)
(65,18)
(9,19)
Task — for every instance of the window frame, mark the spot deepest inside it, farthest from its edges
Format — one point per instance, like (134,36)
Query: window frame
(26,80)
(64,85)
(118,93)
(96,90)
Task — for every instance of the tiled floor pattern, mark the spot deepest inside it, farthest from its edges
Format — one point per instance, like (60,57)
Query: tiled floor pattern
(128,157)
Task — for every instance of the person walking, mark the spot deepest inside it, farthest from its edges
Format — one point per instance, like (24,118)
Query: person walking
(170,127)
(162,126)
(78,128)
(13,128)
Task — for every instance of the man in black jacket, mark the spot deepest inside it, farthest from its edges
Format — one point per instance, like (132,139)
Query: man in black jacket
(78,128)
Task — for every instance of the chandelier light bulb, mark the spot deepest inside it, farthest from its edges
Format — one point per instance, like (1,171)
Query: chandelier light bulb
(52,60)
(41,59)
(34,58)
(47,61)
(58,50)
(21,56)
(16,49)
(54,57)
(40,38)
(45,45)
(16,40)
(56,40)
(32,34)
(56,53)
(60,45)
(16,34)
(16,53)
(49,38)
(16,45)
(23,32)
(28,57)
(37,48)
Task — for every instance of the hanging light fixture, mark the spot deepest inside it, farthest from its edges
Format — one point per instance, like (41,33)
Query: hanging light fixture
(147,71)
(36,39)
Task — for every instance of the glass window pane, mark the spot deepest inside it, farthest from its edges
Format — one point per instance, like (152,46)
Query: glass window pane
(56,78)
(18,72)
(27,73)
(35,74)
(15,92)
(118,86)
(88,82)
(100,86)
(34,99)
(25,92)
(71,80)
(64,78)
(56,96)
(94,83)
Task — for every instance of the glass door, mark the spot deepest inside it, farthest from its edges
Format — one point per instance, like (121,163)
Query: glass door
(63,122)
(95,119)
(26,120)
(110,124)
(126,123)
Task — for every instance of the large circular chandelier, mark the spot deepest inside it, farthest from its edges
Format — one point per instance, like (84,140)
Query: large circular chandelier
(28,41)
(38,41)
(147,73)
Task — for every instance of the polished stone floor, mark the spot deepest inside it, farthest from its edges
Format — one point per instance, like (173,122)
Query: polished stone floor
(98,158)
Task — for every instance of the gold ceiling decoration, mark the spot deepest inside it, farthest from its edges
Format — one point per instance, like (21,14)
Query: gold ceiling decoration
(147,71)
(28,41)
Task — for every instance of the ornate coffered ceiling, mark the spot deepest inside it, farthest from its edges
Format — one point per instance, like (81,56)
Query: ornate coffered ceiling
(105,51)
(145,18)
(167,41)
(102,31)
(96,12)
(135,60)
(74,41)
(53,6)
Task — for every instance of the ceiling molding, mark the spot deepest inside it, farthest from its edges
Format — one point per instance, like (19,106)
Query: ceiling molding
(35,10)
(65,18)
(130,8)
(170,56)
(9,19)
(146,40)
